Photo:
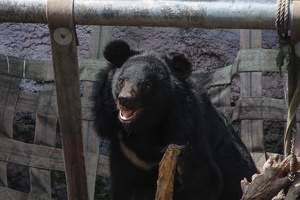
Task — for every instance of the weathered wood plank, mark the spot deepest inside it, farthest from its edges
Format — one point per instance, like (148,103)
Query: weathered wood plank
(251,86)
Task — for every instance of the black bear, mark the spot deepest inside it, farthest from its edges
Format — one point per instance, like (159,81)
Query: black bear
(144,101)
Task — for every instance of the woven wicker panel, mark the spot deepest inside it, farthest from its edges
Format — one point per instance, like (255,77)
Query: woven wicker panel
(42,156)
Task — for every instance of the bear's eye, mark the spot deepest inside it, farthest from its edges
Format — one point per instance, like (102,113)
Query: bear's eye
(121,82)
(148,85)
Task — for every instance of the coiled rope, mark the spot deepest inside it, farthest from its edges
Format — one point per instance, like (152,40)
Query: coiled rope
(282,24)
(282,18)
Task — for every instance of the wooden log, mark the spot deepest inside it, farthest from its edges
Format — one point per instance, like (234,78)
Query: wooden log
(294,190)
(273,178)
(167,169)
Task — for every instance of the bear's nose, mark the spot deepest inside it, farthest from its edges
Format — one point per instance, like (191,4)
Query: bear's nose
(125,101)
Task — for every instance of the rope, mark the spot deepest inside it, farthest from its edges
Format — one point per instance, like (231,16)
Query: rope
(281,23)
(284,58)
(294,131)
(292,173)
(286,16)
(282,18)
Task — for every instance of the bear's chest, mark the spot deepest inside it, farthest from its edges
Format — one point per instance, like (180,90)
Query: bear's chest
(145,154)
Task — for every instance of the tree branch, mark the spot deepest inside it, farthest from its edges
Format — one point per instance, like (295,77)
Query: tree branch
(167,169)
(268,184)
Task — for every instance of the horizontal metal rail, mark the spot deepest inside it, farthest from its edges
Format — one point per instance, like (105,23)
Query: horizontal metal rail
(231,14)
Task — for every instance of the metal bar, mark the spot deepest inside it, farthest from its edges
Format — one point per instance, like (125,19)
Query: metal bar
(23,11)
(242,14)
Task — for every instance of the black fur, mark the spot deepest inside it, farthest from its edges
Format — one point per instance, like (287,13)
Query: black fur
(144,101)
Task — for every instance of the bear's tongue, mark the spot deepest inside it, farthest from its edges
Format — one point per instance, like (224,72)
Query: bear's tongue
(126,114)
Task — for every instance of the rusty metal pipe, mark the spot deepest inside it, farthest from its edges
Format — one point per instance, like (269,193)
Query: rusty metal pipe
(231,14)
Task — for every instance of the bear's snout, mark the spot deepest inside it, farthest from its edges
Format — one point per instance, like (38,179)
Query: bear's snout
(125,100)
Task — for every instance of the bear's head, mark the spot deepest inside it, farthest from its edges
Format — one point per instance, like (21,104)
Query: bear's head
(143,82)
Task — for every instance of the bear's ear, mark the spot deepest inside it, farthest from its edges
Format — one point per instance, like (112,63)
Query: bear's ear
(117,52)
(179,65)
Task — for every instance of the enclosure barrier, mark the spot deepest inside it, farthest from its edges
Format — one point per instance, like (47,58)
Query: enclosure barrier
(241,14)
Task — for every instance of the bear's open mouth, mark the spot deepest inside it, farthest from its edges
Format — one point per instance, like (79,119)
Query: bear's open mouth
(127,115)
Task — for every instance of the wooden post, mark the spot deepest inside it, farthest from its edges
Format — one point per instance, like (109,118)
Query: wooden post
(100,36)
(294,95)
(167,169)
(66,72)
(251,86)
